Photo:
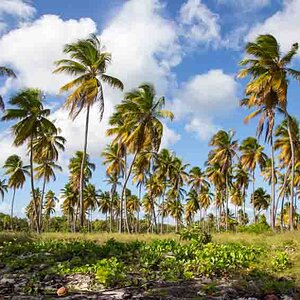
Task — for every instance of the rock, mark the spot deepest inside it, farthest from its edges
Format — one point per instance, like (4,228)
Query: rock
(62,291)
(271,297)
(7,280)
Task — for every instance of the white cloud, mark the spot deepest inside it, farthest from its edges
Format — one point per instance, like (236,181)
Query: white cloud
(143,44)
(170,137)
(32,49)
(19,8)
(200,25)
(204,98)
(245,5)
(204,129)
(284,25)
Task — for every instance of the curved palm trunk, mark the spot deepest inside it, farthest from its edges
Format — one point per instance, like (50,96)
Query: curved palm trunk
(32,187)
(272,185)
(291,213)
(281,214)
(12,210)
(81,186)
(123,193)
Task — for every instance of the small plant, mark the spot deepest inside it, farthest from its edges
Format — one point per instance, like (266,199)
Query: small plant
(280,261)
(196,235)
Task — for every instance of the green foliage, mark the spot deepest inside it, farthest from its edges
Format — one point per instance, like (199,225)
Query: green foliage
(255,228)
(280,261)
(196,235)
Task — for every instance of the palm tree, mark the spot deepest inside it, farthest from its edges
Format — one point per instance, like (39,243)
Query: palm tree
(163,168)
(260,199)
(88,63)
(270,73)
(70,204)
(252,156)
(5,72)
(92,200)
(3,188)
(205,198)
(75,169)
(241,177)
(50,204)
(225,149)
(46,171)
(141,128)
(32,120)
(17,172)
(192,206)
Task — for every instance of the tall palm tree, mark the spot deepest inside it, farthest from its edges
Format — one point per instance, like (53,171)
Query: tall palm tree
(17,173)
(46,171)
(32,120)
(223,153)
(5,72)
(141,128)
(252,156)
(270,74)
(88,62)
(205,198)
(50,204)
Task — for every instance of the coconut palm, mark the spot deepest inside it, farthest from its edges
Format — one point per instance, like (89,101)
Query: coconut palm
(75,169)
(260,199)
(50,204)
(251,157)
(70,204)
(88,63)
(163,168)
(92,200)
(192,206)
(205,198)
(31,117)
(46,172)
(270,74)
(3,188)
(223,153)
(17,172)
(141,128)
(5,72)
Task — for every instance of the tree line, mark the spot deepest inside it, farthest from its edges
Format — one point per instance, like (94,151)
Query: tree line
(166,186)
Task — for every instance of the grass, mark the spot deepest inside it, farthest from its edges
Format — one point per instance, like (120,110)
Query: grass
(288,242)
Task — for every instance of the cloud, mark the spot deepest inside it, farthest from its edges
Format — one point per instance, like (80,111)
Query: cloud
(170,137)
(204,129)
(204,98)
(284,24)
(18,8)
(245,5)
(199,24)
(32,49)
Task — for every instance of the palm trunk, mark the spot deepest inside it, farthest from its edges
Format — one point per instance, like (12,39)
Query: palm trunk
(138,210)
(253,190)
(81,186)
(281,214)
(163,208)
(123,192)
(32,186)
(111,208)
(291,218)
(273,185)
(41,205)
(12,210)
(226,213)
(154,216)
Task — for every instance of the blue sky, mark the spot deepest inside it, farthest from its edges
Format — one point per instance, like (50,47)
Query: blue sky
(188,48)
